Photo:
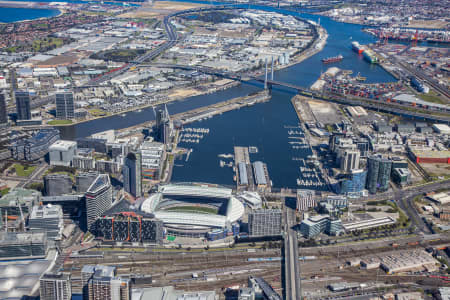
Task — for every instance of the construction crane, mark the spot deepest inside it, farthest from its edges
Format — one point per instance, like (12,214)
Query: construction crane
(415,38)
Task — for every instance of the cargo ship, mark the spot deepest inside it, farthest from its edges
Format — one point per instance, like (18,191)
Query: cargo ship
(370,57)
(357,47)
(332,59)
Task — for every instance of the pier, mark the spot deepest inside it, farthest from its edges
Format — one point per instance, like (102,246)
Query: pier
(244,172)
(209,111)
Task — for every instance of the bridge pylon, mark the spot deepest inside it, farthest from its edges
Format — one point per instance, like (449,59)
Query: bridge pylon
(265,78)
(271,71)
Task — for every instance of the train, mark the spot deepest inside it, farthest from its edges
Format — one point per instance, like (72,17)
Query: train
(261,259)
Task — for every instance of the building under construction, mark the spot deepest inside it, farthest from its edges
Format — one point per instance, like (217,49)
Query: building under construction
(129,227)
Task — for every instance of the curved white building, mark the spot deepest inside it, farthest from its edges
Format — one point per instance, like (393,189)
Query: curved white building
(163,204)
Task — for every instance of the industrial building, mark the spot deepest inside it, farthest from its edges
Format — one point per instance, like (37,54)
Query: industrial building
(441,198)
(98,198)
(61,153)
(23,245)
(261,174)
(441,128)
(23,105)
(315,225)
(365,224)
(305,200)
(404,261)
(55,286)
(264,222)
(129,227)
(405,128)
(152,157)
(419,86)
(243,177)
(431,156)
(47,218)
(57,184)
(65,108)
(356,111)
(35,147)
(132,174)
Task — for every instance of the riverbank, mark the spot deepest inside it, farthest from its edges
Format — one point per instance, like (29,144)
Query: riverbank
(173,96)
(413,24)
(181,94)
(317,46)
(206,112)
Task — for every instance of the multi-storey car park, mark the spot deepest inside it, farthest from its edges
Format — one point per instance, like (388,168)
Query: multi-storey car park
(194,209)
(129,227)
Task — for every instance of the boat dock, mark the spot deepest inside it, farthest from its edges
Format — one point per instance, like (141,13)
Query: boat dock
(243,168)
(205,112)
(219,108)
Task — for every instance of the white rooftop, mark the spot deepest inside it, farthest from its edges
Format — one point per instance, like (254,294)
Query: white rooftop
(62,145)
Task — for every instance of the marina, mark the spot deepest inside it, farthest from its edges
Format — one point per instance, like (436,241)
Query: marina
(192,135)
(309,174)
(262,125)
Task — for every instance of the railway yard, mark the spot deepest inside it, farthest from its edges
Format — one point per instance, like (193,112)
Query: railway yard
(223,269)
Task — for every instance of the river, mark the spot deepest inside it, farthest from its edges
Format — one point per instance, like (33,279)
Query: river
(261,125)
(13,14)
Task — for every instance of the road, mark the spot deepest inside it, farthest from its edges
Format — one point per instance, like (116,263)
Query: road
(172,39)
(405,199)
(421,75)
(393,108)
(36,174)
(291,265)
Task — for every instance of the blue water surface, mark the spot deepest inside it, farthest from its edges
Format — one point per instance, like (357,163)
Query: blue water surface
(13,14)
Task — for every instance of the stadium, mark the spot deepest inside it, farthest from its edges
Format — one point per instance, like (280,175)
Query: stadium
(194,209)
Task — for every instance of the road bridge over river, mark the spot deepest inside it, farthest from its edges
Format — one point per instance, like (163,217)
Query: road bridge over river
(426,114)
(378,105)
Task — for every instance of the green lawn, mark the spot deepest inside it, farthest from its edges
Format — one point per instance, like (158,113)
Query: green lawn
(24,170)
(60,122)
(431,97)
(193,209)
(4,191)
(96,112)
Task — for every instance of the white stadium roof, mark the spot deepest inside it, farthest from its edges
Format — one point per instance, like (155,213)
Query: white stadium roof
(235,209)
(195,190)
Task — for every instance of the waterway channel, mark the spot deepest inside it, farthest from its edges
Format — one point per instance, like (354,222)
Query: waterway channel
(262,125)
